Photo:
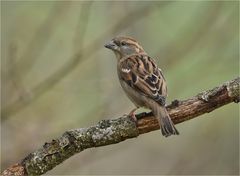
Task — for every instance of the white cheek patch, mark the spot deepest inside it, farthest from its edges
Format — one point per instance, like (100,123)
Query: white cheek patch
(125,70)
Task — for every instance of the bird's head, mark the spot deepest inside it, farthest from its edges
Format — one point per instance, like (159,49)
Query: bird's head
(124,46)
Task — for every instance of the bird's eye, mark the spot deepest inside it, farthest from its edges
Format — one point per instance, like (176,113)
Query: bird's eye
(123,43)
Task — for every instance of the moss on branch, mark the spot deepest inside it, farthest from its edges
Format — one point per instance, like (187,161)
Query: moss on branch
(113,131)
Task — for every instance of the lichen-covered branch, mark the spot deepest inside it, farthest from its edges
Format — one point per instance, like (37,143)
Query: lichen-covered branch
(113,131)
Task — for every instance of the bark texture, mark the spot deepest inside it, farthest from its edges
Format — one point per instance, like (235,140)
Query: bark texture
(113,131)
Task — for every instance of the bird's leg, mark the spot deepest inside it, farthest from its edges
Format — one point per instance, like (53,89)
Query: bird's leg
(132,114)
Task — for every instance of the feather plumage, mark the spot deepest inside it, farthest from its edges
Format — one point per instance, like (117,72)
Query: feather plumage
(142,80)
(144,75)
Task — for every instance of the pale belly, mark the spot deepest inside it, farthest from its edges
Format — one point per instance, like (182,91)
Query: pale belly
(137,98)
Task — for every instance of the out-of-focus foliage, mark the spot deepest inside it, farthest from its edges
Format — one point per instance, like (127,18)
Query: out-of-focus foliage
(56,75)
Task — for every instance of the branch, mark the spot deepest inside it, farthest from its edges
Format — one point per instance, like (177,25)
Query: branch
(113,131)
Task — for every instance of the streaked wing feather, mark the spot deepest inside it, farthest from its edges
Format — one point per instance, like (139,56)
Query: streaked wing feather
(144,76)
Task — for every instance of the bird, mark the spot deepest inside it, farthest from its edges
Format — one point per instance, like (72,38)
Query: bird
(142,80)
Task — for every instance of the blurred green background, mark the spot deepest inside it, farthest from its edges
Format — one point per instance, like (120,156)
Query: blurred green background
(56,75)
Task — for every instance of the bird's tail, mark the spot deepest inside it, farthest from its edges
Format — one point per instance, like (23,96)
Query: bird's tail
(166,125)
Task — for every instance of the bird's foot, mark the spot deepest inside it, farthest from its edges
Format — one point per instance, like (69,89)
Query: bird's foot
(132,115)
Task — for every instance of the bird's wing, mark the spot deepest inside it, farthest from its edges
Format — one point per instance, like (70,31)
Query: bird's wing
(142,74)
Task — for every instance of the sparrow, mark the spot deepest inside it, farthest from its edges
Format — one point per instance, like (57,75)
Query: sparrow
(142,80)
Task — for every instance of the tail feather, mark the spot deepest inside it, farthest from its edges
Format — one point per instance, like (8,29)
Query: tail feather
(166,125)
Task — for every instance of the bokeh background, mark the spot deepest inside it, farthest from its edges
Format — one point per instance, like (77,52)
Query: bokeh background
(56,75)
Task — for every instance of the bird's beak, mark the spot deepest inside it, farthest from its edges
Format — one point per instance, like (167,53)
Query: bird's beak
(111,45)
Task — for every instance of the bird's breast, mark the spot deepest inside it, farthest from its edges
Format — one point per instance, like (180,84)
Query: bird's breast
(136,97)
